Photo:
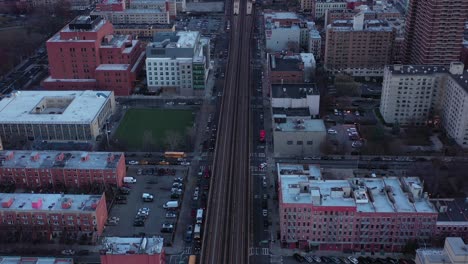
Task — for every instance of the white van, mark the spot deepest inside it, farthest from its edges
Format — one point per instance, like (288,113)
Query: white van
(129,180)
(171,205)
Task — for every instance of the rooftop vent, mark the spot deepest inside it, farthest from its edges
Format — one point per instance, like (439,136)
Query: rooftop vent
(8,203)
(84,156)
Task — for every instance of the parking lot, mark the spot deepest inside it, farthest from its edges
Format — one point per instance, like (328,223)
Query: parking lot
(157,181)
(346,138)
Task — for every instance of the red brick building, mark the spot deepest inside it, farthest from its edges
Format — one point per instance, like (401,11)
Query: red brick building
(45,169)
(87,55)
(434,31)
(49,216)
(286,69)
(133,250)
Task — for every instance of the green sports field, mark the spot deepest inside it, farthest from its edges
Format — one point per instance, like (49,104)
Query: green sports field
(140,124)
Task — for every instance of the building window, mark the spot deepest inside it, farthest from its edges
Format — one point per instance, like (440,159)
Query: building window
(309,142)
(299,142)
(289,142)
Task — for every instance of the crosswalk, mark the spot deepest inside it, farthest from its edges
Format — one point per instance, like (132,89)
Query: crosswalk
(259,251)
(258,155)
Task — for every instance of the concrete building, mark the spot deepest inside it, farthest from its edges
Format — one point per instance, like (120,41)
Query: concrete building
(359,47)
(452,220)
(307,6)
(434,31)
(296,96)
(133,250)
(322,6)
(35,260)
(178,62)
(87,55)
(143,32)
(455,251)
(315,44)
(358,214)
(137,11)
(291,68)
(47,216)
(49,169)
(55,115)
(297,136)
(286,31)
(418,95)
(378,12)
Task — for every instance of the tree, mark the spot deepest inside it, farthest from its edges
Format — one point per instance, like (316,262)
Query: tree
(346,86)
(173,139)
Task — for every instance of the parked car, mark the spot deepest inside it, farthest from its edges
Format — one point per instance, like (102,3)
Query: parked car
(171,215)
(298,257)
(167,228)
(68,252)
(332,131)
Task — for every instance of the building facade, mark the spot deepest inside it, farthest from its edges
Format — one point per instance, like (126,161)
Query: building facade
(49,216)
(133,250)
(55,115)
(454,252)
(304,95)
(49,169)
(434,31)
(87,55)
(322,6)
(143,32)
(420,95)
(297,136)
(178,62)
(358,47)
(354,215)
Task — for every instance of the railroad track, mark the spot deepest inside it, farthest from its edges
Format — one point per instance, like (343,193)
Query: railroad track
(226,228)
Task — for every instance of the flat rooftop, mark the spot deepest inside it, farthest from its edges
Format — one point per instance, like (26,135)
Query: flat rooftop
(312,171)
(305,112)
(296,91)
(372,195)
(42,107)
(34,260)
(132,245)
(287,63)
(48,202)
(180,39)
(281,15)
(451,210)
(301,125)
(58,159)
(143,26)
(432,255)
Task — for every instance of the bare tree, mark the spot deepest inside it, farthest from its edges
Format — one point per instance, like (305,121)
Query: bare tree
(173,139)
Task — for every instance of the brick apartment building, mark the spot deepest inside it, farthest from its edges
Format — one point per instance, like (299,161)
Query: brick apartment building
(358,214)
(45,169)
(48,216)
(434,31)
(87,55)
(133,250)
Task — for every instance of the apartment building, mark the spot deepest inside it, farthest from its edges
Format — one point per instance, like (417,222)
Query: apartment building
(133,250)
(307,6)
(454,252)
(143,32)
(419,94)
(315,44)
(136,11)
(452,220)
(55,115)
(178,62)
(358,47)
(322,6)
(292,96)
(291,68)
(377,12)
(434,31)
(73,169)
(49,216)
(87,55)
(358,214)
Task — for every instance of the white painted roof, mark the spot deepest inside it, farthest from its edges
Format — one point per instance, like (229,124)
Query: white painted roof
(34,260)
(18,108)
(132,245)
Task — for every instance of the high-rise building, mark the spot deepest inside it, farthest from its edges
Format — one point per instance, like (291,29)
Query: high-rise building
(87,55)
(434,31)
(178,62)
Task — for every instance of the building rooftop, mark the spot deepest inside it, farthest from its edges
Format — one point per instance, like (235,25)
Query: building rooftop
(286,63)
(312,171)
(300,90)
(56,159)
(365,194)
(113,67)
(461,77)
(143,26)
(452,210)
(48,202)
(39,107)
(132,245)
(301,125)
(459,248)
(432,255)
(34,260)
(281,15)
(368,25)
(180,39)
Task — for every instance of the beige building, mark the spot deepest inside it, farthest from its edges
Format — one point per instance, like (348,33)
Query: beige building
(142,31)
(297,136)
(322,6)
(455,251)
(307,5)
(135,16)
(418,94)
(55,115)
(358,47)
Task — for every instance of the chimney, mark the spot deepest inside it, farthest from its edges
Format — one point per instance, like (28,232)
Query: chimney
(397,67)
(84,156)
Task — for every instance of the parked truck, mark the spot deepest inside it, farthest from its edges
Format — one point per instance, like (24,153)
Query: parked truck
(171,205)
(129,180)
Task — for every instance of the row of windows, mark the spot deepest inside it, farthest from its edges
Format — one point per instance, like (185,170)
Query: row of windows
(299,142)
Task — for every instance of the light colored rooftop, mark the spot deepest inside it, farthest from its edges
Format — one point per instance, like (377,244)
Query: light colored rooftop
(83,107)
(378,201)
(281,15)
(187,39)
(34,260)
(113,67)
(312,171)
(56,159)
(48,202)
(132,245)
(431,255)
(402,203)
(301,125)
(459,248)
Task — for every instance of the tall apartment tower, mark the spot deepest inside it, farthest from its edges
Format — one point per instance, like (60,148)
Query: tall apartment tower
(434,31)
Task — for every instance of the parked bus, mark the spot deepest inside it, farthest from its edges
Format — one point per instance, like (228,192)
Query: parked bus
(262,135)
(199,216)
(174,155)
(192,259)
